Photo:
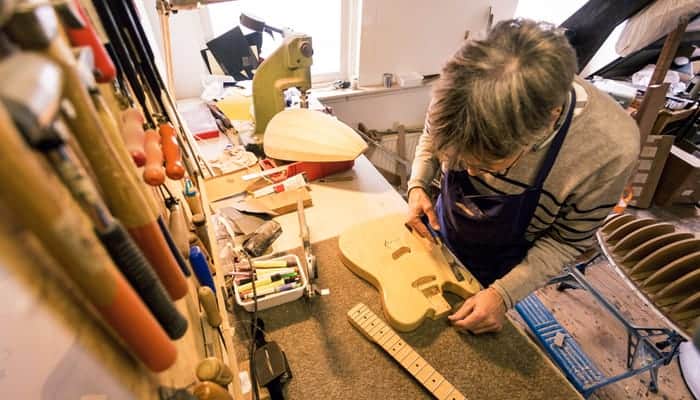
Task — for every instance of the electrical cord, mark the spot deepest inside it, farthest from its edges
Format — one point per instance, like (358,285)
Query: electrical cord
(253,329)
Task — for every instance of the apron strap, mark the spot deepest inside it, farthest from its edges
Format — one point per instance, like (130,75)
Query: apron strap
(556,144)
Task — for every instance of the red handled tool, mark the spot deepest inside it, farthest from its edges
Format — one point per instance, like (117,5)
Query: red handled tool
(133,134)
(153,169)
(171,150)
(82,33)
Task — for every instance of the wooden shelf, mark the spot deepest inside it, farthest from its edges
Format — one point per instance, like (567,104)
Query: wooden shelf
(229,357)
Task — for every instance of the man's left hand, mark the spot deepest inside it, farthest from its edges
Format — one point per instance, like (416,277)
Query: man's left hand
(481,313)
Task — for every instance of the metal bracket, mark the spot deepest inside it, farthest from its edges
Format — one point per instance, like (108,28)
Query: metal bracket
(648,348)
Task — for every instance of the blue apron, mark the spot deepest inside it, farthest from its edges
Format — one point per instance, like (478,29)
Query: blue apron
(487,233)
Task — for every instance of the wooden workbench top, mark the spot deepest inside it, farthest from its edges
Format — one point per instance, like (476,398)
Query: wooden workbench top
(339,205)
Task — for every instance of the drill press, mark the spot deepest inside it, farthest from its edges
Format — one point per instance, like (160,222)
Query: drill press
(288,66)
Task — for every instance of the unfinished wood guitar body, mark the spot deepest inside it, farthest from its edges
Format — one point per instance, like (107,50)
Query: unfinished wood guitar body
(410,272)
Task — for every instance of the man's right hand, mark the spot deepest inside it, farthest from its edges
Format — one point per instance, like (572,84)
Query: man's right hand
(419,204)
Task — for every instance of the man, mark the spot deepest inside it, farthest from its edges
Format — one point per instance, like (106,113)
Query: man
(532,161)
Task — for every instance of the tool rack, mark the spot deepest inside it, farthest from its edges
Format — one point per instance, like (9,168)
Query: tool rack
(648,348)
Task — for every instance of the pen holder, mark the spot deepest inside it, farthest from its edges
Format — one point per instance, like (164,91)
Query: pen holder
(274,299)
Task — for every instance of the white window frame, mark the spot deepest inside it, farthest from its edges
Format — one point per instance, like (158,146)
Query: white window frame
(350,26)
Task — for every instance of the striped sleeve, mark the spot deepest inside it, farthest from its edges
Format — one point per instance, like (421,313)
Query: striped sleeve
(572,232)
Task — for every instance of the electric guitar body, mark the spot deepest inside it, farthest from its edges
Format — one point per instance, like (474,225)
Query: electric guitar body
(410,272)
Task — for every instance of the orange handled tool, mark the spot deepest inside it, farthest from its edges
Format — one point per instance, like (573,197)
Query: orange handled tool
(153,170)
(133,135)
(171,151)
(81,33)
(36,27)
(47,209)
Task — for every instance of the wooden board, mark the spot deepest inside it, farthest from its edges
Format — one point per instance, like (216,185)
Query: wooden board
(652,159)
(225,353)
(641,236)
(231,184)
(651,246)
(409,272)
(616,222)
(280,203)
(666,254)
(679,180)
(679,290)
(674,269)
(688,308)
(628,228)
(300,134)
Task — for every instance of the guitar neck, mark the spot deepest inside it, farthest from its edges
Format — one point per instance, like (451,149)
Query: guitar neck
(362,318)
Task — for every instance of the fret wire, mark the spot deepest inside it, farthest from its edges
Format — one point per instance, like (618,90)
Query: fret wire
(417,366)
(434,381)
(397,347)
(389,343)
(404,353)
(425,373)
(388,337)
(364,323)
(410,359)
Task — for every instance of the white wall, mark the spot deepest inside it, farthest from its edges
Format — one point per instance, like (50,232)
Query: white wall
(396,36)
(410,35)
(382,110)
(187,38)
(417,35)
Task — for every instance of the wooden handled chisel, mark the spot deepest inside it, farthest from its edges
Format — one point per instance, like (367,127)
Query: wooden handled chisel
(32,95)
(81,33)
(35,26)
(46,208)
(133,134)
(120,22)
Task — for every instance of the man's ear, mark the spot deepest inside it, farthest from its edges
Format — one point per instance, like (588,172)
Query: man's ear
(554,116)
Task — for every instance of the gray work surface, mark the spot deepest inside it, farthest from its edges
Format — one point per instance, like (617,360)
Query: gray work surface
(330,359)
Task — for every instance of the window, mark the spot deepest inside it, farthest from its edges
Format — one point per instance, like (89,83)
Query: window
(326,21)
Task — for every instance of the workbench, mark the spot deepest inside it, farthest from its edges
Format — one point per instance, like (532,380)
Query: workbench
(330,359)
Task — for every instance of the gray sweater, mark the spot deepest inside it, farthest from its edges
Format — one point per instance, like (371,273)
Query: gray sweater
(586,181)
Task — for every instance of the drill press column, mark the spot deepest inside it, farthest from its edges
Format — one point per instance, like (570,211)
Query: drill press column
(288,66)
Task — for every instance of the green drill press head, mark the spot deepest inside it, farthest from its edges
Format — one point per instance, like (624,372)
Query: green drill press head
(288,66)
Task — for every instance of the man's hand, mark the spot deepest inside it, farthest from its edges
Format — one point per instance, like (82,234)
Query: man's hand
(419,204)
(481,313)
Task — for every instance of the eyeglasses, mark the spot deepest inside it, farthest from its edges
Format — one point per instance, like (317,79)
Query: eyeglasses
(494,171)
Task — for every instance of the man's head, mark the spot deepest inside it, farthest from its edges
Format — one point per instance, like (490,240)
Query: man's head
(497,95)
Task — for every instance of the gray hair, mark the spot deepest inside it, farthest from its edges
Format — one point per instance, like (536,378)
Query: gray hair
(495,96)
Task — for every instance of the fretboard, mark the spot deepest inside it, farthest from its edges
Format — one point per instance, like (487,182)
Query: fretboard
(362,318)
